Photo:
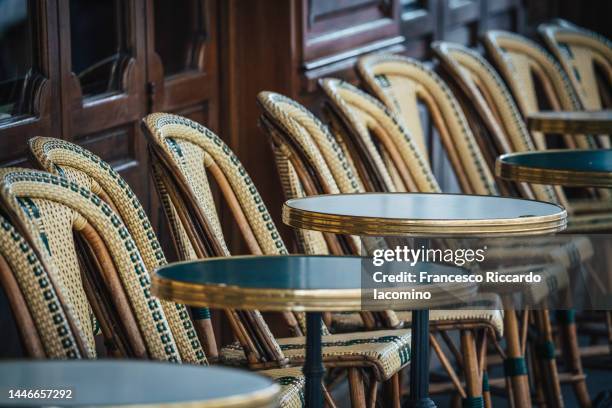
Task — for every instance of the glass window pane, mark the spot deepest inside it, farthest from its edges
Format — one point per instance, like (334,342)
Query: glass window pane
(97,37)
(16,56)
(179,29)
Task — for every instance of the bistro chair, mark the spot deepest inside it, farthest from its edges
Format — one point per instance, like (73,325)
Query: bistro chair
(183,152)
(78,164)
(305,140)
(494,116)
(527,67)
(375,72)
(41,304)
(586,58)
(83,167)
(58,210)
(119,291)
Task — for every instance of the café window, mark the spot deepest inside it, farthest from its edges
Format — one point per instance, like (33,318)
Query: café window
(98,38)
(16,57)
(178,48)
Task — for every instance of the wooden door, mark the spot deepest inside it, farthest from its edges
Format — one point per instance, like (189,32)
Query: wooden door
(103,95)
(182,61)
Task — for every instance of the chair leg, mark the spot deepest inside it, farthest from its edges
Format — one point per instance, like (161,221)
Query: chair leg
(355,379)
(547,362)
(486,392)
(515,366)
(571,352)
(392,391)
(473,384)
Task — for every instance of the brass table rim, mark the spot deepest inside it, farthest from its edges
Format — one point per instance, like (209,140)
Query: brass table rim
(542,175)
(222,296)
(575,122)
(375,226)
(277,300)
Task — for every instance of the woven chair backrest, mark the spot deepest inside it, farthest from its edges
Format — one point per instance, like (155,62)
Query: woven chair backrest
(182,153)
(487,93)
(88,170)
(380,138)
(387,75)
(44,314)
(581,53)
(62,209)
(322,162)
(533,76)
(316,157)
(193,149)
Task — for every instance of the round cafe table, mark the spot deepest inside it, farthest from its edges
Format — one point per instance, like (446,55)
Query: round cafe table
(112,383)
(569,168)
(575,122)
(299,283)
(423,215)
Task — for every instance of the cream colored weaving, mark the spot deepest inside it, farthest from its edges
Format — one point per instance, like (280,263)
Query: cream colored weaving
(79,165)
(480,78)
(58,208)
(386,351)
(367,117)
(579,51)
(493,98)
(171,133)
(520,60)
(60,331)
(377,72)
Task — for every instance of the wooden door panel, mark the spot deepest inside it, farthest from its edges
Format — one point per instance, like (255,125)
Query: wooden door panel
(330,28)
(182,65)
(105,88)
(29,78)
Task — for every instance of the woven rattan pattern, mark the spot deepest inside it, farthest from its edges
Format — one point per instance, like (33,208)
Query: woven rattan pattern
(516,58)
(375,70)
(78,164)
(52,315)
(362,110)
(472,66)
(578,50)
(172,130)
(50,197)
(387,351)
(54,223)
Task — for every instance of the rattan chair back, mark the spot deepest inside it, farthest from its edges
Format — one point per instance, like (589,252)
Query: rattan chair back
(182,153)
(386,75)
(43,312)
(87,169)
(379,138)
(310,157)
(483,90)
(536,80)
(586,58)
(117,282)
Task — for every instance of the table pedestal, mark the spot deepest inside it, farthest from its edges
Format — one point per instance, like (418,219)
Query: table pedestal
(419,361)
(313,364)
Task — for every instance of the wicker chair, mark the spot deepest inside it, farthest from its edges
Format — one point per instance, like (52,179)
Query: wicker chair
(78,164)
(586,58)
(116,276)
(325,160)
(182,153)
(523,64)
(41,303)
(375,72)
(478,82)
(491,109)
